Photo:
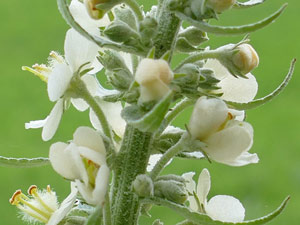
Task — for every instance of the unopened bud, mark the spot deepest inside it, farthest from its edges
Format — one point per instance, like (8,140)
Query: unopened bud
(246,59)
(119,31)
(92,10)
(194,35)
(220,5)
(143,186)
(154,76)
(172,190)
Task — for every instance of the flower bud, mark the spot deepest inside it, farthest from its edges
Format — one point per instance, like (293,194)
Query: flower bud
(207,117)
(143,186)
(220,5)
(172,190)
(153,77)
(119,31)
(194,35)
(246,59)
(92,10)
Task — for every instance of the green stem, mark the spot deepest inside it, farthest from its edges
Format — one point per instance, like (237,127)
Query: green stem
(135,8)
(211,54)
(107,210)
(176,110)
(81,90)
(173,151)
(168,27)
(132,161)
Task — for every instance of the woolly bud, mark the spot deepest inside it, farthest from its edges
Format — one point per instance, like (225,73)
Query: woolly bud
(143,186)
(246,59)
(154,76)
(220,5)
(172,190)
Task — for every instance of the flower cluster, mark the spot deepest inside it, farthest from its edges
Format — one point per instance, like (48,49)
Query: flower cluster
(114,167)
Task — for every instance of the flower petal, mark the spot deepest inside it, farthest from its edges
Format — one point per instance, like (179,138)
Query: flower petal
(112,112)
(91,83)
(64,208)
(220,71)
(59,81)
(154,158)
(36,123)
(208,115)
(203,186)
(102,180)
(89,138)
(191,188)
(92,155)
(79,50)
(66,161)
(79,104)
(239,89)
(227,145)
(81,16)
(86,191)
(53,120)
(226,209)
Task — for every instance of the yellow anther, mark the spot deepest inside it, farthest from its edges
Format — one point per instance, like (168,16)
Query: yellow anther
(14,200)
(36,72)
(33,190)
(41,68)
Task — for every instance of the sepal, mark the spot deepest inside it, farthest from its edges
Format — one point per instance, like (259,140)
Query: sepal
(126,15)
(147,121)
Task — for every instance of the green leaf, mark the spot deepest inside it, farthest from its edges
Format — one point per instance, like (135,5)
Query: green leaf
(101,42)
(96,217)
(150,121)
(231,30)
(23,162)
(269,97)
(250,3)
(203,219)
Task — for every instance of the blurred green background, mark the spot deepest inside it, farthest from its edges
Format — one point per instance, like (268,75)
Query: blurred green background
(30,29)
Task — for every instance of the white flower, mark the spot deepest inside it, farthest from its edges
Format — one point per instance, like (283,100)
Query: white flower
(78,52)
(154,77)
(221,207)
(84,161)
(227,140)
(234,89)
(42,206)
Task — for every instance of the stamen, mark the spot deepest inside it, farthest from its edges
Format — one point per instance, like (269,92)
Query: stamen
(14,199)
(33,191)
(41,68)
(35,72)
(42,213)
(56,56)
(30,213)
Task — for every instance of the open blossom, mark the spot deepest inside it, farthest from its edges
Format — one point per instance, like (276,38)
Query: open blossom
(154,76)
(78,52)
(234,89)
(227,140)
(83,161)
(220,207)
(42,205)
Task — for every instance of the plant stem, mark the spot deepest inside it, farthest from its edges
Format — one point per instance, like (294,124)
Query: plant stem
(81,90)
(132,161)
(173,151)
(135,8)
(107,210)
(168,27)
(211,54)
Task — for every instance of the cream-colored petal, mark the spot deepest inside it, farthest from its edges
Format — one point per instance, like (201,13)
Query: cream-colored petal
(112,112)
(81,16)
(244,159)
(66,161)
(226,209)
(208,115)
(64,208)
(227,145)
(91,83)
(59,81)
(79,104)
(101,184)
(191,188)
(92,155)
(53,120)
(79,50)
(36,124)
(154,158)
(239,89)
(88,137)
(203,186)
(86,191)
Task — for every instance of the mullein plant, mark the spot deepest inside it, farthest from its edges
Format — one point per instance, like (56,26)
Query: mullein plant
(114,165)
